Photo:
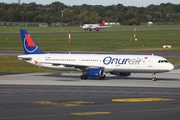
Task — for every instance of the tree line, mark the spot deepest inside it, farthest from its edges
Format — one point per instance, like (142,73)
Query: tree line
(80,14)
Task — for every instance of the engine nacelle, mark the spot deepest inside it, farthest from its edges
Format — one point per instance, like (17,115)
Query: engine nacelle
(95,72)
(97,29)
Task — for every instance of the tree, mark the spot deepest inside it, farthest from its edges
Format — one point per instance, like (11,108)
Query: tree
(77,14)
(134,21)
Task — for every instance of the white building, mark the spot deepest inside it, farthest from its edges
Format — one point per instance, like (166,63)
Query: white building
(111,23)
(150,23)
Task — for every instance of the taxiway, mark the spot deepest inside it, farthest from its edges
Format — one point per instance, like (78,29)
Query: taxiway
(64,96)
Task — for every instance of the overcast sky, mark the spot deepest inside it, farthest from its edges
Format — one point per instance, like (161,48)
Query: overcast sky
(138,3)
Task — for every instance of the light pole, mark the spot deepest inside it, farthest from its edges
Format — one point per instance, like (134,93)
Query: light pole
(62,13)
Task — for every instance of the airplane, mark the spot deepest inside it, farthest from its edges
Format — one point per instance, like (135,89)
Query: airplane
(94,26)
(93,65)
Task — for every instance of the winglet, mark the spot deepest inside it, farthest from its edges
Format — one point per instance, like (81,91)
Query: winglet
(28,43)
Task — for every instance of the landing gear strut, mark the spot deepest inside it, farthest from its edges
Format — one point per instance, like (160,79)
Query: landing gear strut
(154,77)
(83,77)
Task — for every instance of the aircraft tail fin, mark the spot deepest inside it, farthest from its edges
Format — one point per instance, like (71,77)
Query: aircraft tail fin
(103,22)
(28,43)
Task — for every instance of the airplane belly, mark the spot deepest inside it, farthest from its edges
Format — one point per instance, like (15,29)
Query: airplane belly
(58,67)
(136,69)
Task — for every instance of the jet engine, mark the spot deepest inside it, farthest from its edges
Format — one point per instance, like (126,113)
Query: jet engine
(95,72)
(97,29)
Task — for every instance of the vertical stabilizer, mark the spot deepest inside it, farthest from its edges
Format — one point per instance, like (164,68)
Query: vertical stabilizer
(103,22)
(28,43)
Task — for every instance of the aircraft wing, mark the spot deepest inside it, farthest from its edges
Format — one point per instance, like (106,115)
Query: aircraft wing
(79,66)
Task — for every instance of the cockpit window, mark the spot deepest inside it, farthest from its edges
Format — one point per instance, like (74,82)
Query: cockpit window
(162,61)
(165,61)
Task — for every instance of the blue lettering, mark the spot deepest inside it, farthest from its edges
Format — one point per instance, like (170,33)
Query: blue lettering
(121,62)
(126,60)
(114,60)
(109,60)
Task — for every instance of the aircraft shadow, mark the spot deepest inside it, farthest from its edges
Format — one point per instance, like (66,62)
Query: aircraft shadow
(10,73)
(141,78)
(75,77)
(60,75)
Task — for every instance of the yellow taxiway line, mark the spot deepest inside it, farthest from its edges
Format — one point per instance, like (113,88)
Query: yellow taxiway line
(67,104)
(140,99)
(91,113)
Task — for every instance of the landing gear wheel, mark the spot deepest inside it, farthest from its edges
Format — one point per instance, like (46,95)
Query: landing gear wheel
(154,79)
(83,77)
(102,77)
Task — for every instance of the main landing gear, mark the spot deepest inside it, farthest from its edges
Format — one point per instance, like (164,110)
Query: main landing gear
(154,77)
(103,77)
(84,77)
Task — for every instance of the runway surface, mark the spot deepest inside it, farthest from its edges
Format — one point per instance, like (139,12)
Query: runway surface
(57,96)
(170,80)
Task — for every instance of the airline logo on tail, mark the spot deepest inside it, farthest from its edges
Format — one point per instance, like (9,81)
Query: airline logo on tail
(103,22)
(29,45)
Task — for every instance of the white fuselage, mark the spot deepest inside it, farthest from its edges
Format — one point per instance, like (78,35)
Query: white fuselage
(93,26)
(110,63)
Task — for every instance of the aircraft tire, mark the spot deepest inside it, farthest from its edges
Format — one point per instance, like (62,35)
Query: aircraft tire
(102,77)
(154,79)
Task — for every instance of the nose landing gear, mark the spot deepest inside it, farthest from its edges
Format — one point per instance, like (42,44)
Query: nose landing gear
(154,77)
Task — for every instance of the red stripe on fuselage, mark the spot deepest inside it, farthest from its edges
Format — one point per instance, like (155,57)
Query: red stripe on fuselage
(29,40)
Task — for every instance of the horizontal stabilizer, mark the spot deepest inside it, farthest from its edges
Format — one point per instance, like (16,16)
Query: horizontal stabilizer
(24,57)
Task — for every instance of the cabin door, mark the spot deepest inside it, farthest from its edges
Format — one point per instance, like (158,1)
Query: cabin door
(150,61)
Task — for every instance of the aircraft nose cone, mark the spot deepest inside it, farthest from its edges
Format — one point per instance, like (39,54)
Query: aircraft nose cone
(171,67)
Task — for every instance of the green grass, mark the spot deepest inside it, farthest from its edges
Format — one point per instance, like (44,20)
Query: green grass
(72,28)
(98,41)
(12,64)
